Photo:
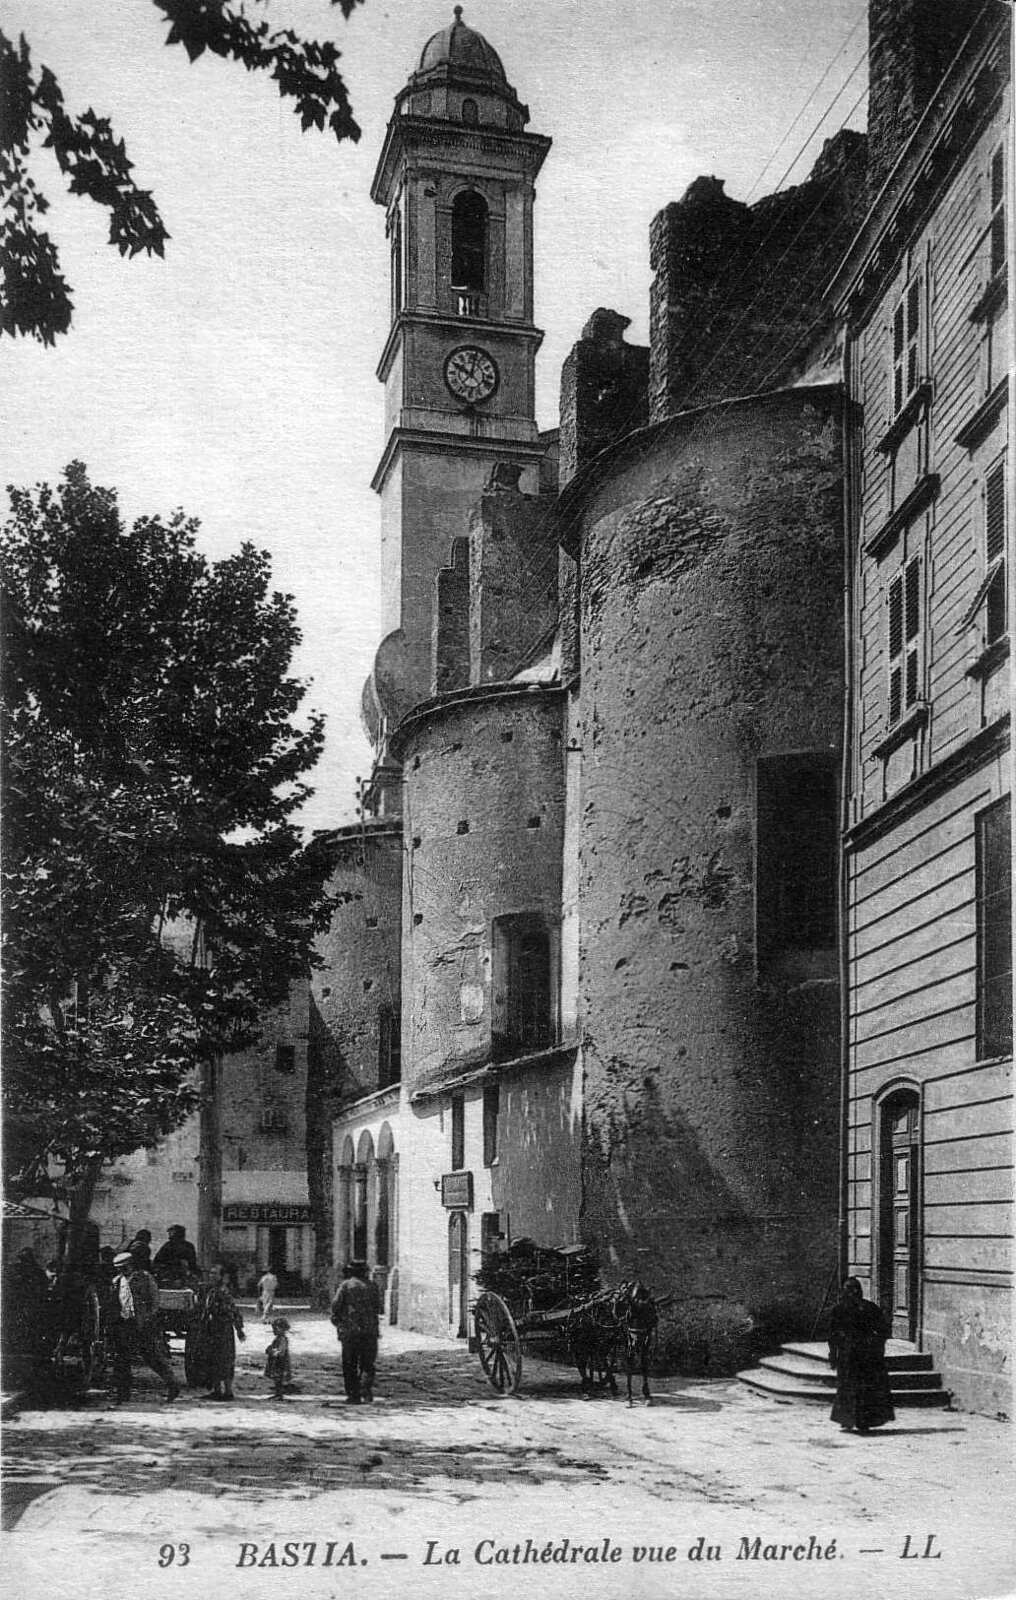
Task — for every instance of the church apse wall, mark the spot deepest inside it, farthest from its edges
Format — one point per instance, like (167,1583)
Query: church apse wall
(483,814)
(711,648)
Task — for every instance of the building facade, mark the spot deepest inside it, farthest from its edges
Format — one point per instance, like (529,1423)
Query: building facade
(924,299)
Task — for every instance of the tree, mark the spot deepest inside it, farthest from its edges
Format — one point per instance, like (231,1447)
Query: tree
(158,894)
(36,296)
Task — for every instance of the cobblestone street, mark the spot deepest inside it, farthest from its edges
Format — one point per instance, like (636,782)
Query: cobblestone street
(440,1463)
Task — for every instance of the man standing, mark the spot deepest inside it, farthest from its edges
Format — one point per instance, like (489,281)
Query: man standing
(134,1327)
(355,1312)
(140,1248)
(176,1260)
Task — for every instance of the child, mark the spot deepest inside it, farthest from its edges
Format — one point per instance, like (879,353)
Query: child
(278,1366)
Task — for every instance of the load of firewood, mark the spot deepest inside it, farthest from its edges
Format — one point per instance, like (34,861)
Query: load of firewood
(533,1278)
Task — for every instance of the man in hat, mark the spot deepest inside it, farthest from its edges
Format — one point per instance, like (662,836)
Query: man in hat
(134,1327)
(176,1261)
(140,1248)
(355,1312)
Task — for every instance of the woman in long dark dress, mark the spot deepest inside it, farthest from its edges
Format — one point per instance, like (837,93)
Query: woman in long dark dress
(857,1336)
(221,1325)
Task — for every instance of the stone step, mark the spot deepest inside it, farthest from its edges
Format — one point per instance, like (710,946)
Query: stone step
(899,1354)
(805,1370)
(785,1387)
(800,1371)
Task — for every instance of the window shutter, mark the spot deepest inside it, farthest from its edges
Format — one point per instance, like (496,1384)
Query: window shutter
(997,212)
(912,585)
(895,618)
(898,345)
(912,628)
(895,647)
(994,513)
(913,333)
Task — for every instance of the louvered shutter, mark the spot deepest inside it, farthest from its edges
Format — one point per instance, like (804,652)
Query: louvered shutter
(912,628)
(997,607)
(997,213)
(913,334)
(994,513)
(895,648)
(899,342)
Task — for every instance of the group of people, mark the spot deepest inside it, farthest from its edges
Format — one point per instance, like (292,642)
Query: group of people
(129,1282)
(136,1335)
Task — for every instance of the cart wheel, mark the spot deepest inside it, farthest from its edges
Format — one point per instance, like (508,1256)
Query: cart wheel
(78,1359)
(497,1340)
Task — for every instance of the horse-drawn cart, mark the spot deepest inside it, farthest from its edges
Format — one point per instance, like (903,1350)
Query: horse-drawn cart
(551,1302)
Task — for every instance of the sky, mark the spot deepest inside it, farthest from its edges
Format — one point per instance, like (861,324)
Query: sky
(236,377)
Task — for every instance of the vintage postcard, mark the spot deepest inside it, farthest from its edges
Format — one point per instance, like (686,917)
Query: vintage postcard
(507,841)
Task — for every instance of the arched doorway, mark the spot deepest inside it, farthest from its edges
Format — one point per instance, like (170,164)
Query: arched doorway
(362,1174)
(344,1202)
(899,1190)
(458,1273)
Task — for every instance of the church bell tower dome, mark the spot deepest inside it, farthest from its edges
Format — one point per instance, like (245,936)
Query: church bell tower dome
(461,52)
(457,69)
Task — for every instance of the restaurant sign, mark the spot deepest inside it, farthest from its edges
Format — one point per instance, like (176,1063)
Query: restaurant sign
(457,1191)
(266,1211)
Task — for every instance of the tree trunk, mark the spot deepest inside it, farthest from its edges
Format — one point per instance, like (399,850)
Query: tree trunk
(209,1164)
(80,1254)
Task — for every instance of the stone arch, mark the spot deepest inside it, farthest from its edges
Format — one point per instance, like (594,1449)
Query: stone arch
(343,1231)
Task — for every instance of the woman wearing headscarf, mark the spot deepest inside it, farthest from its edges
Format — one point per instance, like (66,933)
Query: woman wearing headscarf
(220,1326)
(857,1336)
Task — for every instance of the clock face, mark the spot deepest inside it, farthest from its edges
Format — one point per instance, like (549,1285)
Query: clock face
(471,374)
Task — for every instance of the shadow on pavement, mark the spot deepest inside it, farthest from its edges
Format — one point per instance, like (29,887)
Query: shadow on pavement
(124,1455)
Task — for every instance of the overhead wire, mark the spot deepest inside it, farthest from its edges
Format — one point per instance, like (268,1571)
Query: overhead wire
(539,573)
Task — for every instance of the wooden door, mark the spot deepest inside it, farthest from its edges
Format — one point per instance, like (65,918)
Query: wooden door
(901,1232)
(458,1273)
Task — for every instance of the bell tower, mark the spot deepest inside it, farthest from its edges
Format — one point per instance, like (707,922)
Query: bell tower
(455,178)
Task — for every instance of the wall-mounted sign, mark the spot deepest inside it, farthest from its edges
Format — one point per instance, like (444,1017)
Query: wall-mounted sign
(267,1211)
(457,1191)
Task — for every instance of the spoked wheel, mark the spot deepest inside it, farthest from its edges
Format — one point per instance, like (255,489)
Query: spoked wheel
(78,1359)
(497,1340)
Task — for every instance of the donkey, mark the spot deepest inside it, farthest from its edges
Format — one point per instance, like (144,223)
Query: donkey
(592,1335)
(636,1317)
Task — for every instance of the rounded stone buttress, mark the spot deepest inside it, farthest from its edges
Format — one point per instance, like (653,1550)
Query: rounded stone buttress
(712,684)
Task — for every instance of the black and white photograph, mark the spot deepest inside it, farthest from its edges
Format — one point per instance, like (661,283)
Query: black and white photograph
(505,700)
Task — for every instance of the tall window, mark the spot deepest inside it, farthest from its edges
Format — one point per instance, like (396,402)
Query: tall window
(491,1111)
(396,234)
(458,1133)
(524,1015)
(469,242)
(907,344)
(996,592)
(285,1058)
(996,251)
(796,854)
(903,626)
(389,1065)
(994,931)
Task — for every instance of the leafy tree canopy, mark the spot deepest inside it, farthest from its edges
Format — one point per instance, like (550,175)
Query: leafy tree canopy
(158,894)
(36,297)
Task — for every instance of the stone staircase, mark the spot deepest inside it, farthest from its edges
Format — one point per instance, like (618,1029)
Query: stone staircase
(801,1372)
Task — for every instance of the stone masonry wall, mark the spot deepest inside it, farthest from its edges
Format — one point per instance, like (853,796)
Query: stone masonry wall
(736,299)
(711,637)
(911,45)
(513,577)
(360,974)
(604,391)
(483,813)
